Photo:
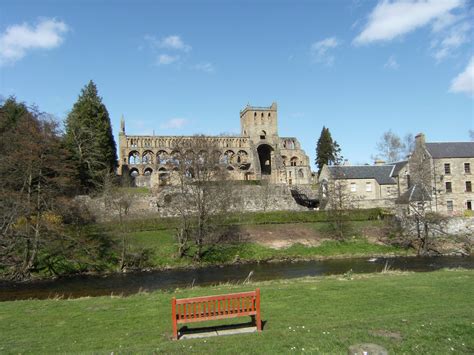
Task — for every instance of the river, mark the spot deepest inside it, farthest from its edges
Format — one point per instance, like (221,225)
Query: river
(130,283)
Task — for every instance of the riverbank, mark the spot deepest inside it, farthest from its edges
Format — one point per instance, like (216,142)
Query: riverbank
(319,315)
(251,248)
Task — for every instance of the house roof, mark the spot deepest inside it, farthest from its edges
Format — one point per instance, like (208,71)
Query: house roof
(398,166)
(414,194)
(381,173)
(451,150)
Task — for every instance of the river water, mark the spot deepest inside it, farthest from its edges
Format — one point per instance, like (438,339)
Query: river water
(130,283)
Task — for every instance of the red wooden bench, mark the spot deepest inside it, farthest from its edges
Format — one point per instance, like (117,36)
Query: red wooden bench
(200,309)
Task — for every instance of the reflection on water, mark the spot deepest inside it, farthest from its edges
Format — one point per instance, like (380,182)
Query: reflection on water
(80,286)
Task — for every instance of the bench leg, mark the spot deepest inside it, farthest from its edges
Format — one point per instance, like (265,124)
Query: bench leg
(257,301)
(175,331)
(173,318)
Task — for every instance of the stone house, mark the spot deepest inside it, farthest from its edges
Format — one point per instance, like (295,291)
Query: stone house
(441,175)
(258,153)
(366,186)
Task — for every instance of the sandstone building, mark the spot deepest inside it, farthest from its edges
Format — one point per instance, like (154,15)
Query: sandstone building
(367,186)
(258,153)
(438,175)
(443,180)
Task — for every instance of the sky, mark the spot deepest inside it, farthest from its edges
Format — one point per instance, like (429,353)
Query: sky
(179,67)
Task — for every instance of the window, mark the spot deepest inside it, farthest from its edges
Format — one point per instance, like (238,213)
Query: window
(468,186)
(447,168)
(368,186)
(449,206)
(449,186)
(467,168)
(353,187)
(469,205)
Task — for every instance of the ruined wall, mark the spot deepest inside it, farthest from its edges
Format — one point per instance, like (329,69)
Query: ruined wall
(160,204)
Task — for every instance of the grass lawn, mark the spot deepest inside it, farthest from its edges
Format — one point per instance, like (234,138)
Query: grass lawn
(430,313)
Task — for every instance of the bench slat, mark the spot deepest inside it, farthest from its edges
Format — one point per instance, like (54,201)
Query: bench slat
(213,298)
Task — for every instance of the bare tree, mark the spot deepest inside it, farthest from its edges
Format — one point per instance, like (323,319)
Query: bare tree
(338,201)
(205,194)
(418,223)
(392,148)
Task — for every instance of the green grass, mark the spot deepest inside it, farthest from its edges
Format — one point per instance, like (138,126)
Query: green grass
(163,246)
(431,312)
(250,218)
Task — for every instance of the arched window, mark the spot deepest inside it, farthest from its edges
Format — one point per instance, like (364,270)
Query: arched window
(228,157)
(148,171)
(294,161)
(263,134)
(134,158)
(147,157)
(301,174)
(162,157)
(134,172)
(242,157)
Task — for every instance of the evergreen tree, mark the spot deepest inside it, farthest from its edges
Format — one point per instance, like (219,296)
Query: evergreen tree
(89,138)
(328,151)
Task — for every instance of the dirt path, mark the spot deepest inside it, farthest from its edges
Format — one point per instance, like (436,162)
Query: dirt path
(279,236)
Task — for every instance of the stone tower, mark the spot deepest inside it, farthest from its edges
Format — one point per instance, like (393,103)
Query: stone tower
(259,123)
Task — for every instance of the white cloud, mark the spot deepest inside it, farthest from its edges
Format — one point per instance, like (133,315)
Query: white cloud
(17,40)
(174,123)
(464,82)
(391,63)
(175,42)
(453,39)
(172,42)
(205,67)
(321,50)
(392,19)
(165,59)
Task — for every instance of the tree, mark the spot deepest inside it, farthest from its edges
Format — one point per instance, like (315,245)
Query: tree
(418,223)
(328,151)
(90,140)
(392,148)
(204,195)
(37,214)
(338,200)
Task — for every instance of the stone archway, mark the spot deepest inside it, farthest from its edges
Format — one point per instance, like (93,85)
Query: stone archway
(265,157)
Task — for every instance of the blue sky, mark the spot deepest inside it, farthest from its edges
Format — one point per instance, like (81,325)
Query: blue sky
(183,67)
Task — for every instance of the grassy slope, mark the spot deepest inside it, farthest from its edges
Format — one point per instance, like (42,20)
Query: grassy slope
(164,249)
(432,312)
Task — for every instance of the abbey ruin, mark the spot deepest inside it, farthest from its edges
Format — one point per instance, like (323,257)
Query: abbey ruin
(259,153)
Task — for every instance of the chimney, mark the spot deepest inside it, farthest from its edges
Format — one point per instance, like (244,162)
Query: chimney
(420,139)
(379,162)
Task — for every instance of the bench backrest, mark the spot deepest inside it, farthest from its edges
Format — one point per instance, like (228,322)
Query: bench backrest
(215,307)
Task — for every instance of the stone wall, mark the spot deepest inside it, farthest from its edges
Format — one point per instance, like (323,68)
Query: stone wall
(160,204)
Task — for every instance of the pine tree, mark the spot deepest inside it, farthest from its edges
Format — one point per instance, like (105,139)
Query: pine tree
(328,152)
(89,138)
